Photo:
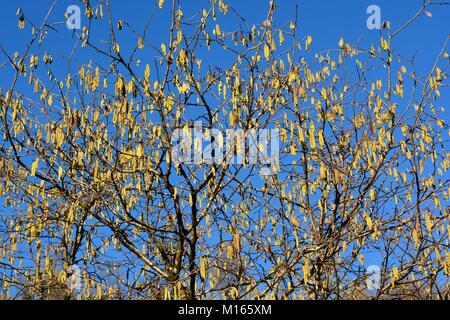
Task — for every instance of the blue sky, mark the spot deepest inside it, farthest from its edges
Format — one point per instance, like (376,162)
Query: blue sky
(325,20)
